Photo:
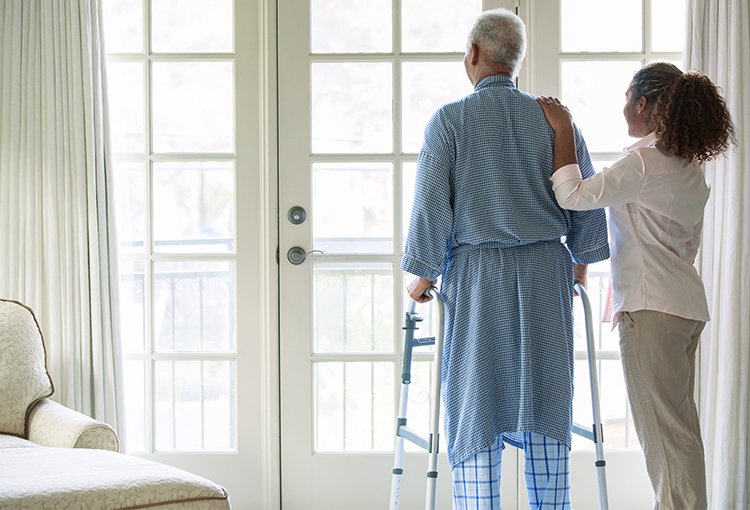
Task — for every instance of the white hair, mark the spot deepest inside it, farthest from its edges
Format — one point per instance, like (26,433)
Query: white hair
(502,35)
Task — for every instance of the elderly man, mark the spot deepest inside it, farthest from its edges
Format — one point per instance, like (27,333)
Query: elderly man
(486,220)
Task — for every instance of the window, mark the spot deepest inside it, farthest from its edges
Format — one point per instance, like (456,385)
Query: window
(171,95)
(601,45)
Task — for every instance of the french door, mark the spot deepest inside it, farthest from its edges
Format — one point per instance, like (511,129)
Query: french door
(357,84)
(183,82)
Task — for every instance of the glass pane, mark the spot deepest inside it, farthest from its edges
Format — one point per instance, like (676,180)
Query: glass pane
(195,405)
(125,96)
(193,207)
(193,106)
(619,432)
(601,25)
(352,108)
(354,407)
(130,206)
(194,306)
(352,307)
(123,20)
(353,207)
(595,94)
(135,403)
(598,291)
(132,306)
(437,25)
(421,97)
(193,26)
(351,26)
(668,25)
(583,414)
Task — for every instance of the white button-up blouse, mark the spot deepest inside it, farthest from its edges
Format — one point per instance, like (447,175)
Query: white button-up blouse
(656,202)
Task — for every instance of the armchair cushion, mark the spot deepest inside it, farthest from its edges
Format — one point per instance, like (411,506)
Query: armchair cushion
(24,379)
(34,477)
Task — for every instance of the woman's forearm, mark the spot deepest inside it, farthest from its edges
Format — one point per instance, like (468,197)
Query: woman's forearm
(565,149)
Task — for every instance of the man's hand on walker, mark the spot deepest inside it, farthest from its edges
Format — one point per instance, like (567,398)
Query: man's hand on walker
(580,274)
(416,288)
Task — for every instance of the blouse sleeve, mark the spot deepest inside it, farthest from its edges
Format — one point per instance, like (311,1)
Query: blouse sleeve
(618,184)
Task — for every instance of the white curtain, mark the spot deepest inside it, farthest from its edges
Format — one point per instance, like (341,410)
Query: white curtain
(718,44)
(58,247)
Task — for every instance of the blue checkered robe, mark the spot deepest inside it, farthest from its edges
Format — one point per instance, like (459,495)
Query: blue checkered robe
(486,219)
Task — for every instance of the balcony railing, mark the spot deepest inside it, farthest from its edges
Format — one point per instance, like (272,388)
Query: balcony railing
(192,355)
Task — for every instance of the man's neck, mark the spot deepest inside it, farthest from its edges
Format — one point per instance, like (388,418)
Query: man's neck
(504,71)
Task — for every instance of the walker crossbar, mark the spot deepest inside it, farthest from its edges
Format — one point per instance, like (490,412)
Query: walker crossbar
(589,432)
(410,435)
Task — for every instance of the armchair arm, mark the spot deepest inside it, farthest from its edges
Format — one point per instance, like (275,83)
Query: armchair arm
(51,424)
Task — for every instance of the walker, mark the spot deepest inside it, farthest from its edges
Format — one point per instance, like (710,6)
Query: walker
(430,443)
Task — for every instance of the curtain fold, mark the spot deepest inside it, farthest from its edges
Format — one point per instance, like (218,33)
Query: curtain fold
(718,44)
(58,247)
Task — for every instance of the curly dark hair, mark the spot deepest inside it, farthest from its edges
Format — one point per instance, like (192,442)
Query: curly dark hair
(688,115)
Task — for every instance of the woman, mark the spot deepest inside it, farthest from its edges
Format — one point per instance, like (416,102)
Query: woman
(656,194)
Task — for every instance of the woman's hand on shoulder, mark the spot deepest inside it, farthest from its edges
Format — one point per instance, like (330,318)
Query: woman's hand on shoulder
(561,120)
(557,114)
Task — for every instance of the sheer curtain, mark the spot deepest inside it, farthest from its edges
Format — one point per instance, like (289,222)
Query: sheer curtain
(57,239)
(718,43)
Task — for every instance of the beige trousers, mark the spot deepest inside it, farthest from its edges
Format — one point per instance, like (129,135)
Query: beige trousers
(658,357)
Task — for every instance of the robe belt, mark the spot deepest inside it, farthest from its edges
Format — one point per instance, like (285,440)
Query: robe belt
(494,244)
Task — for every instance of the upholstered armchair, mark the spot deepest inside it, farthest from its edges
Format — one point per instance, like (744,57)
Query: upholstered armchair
(54,457)
(25,387)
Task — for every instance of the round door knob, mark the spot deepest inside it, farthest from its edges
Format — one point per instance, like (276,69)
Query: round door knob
(296,215)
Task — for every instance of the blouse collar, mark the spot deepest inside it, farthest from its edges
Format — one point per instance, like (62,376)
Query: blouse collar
(647,141)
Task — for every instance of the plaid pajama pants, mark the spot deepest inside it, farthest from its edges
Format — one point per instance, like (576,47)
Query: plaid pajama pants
(476,481)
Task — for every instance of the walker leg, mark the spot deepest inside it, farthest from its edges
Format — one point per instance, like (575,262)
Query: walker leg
(432,459)
(598,430)
(402,431)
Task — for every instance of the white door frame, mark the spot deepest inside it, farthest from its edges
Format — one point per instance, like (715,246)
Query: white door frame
(270,398)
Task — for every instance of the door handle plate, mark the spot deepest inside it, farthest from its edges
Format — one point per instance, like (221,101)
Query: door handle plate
(297,255)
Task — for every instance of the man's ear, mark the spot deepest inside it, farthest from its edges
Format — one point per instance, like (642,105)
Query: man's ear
(474,54)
